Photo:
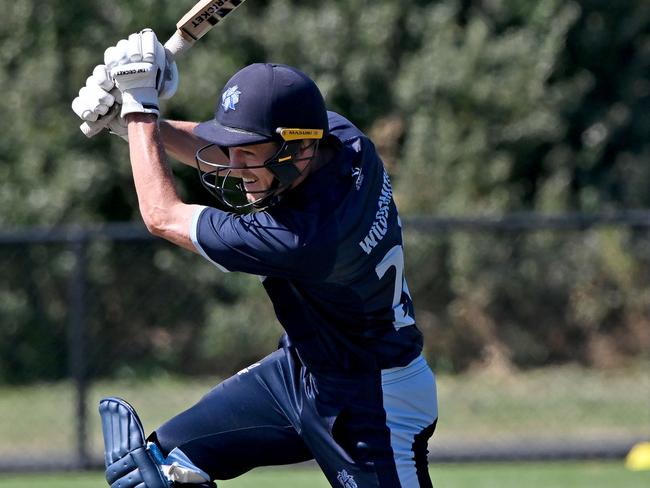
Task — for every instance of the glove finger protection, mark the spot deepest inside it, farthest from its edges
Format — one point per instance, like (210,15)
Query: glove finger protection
(134,49)
(154,52)
(99,97)
(149,49)
(94,98)
(145,47)
(141,69)
(81,108)
(140,47)
(116,55)
(102,77)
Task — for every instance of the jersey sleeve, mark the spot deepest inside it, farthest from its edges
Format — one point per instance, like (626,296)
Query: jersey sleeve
(252,243)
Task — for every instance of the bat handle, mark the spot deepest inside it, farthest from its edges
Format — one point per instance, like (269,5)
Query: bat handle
(177,44)
(174,47)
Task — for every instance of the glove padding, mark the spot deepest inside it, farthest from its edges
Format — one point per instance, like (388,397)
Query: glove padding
(141,70)
(99,97)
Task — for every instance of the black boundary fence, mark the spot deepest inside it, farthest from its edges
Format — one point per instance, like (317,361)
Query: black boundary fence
(77,238)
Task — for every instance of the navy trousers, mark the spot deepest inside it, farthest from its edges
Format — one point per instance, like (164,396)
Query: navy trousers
(361,430)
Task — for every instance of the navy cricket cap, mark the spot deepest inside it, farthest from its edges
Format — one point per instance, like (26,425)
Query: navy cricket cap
(261,98)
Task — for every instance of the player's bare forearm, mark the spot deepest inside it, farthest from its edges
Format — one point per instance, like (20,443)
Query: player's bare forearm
(179,140)
(162,210)
(180,143)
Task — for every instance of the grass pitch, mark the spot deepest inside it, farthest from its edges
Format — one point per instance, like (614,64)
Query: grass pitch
(479,407)
(528,475)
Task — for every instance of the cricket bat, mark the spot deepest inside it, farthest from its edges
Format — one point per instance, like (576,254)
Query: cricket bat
(202,17)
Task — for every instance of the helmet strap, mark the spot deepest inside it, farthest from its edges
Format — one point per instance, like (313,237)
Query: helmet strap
(282,165)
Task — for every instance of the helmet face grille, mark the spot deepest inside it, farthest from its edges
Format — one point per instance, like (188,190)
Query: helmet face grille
(229,190)
(224,188)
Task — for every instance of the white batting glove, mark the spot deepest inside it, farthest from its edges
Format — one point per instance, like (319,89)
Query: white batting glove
(97,98)
(140,69)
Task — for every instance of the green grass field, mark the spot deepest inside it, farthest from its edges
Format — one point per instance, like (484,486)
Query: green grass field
(479,407)
(484,406)
(527,475)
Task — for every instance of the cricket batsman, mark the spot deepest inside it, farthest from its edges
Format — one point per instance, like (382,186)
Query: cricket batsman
(312,215)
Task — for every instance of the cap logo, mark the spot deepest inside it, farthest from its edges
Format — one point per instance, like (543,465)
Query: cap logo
(230,98)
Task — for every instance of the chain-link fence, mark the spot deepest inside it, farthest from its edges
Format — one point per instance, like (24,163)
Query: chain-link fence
(539,330)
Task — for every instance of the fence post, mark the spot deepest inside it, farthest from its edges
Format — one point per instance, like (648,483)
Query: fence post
(77,339)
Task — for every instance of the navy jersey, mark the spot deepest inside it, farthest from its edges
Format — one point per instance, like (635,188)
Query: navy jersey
(331,260)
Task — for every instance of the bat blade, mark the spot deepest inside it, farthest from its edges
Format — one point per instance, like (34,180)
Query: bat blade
(202,17)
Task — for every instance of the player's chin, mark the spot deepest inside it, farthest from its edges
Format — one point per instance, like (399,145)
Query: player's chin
(254,194)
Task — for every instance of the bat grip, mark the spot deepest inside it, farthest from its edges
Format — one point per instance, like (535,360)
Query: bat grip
(174,47)
(178,44)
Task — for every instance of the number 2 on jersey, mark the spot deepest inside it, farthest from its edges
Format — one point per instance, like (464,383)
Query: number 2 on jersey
(395,258)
